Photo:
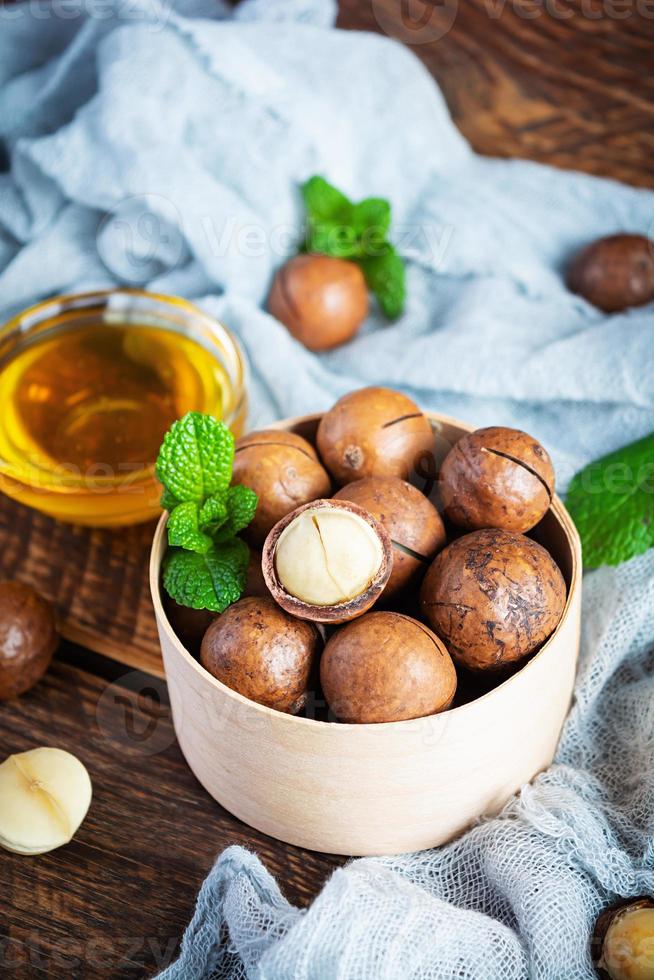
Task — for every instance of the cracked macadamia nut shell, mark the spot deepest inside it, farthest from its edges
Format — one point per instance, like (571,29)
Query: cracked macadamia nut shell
(327,561)
(373,432)
(386,667)
(322,301)
(496,477)
(284,471)
(622,946)
(493,597)
(263,653)
(614,273)
(28,638)
(413,524)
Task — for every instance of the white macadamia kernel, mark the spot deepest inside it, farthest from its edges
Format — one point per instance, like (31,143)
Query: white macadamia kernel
(44,796)
(327,557)
(628,951)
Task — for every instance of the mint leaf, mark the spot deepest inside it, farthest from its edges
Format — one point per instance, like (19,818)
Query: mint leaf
(372,213)
(184,531)
(612,503)
(325,204)
(385,277)
(339,241)
(195,459)
(168,500)
(213,512)
(211,581)
(241,506)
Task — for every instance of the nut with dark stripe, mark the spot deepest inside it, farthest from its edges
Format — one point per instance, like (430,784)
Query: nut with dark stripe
(373,432)
(496,477)
(284,471)
(493,597)
(413,523)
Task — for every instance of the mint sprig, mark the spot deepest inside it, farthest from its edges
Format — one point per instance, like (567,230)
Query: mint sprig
(612,503)
(206,565)
(359,232)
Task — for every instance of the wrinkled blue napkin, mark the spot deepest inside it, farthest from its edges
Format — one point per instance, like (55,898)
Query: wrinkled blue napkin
(162,146)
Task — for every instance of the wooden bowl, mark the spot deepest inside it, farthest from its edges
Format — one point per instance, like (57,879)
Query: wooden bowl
(376,789)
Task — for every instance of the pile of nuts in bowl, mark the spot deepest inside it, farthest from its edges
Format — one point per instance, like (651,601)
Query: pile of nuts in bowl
(353,588)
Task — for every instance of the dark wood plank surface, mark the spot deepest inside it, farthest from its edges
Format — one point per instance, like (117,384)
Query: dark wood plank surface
(566,82)
(115,902)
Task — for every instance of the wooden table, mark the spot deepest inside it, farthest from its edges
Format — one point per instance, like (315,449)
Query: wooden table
(567,83)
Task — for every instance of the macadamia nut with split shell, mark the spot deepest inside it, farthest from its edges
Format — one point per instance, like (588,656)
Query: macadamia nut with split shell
(623,941)
(374,432)
(493,597)
(496,477)
(413,524)
(327,561)
(284,471)
(386,667)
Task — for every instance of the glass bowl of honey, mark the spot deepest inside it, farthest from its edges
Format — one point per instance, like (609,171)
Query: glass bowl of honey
(90,383)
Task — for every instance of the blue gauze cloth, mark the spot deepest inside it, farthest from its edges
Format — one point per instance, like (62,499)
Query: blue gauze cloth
(159,146)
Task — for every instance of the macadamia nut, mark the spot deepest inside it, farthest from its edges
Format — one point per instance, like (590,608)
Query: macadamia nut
(327,556)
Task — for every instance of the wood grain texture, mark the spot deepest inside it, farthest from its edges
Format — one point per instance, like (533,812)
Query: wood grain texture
(115,901)
(565,82)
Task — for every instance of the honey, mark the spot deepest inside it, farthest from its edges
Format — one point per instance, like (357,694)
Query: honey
(84,404)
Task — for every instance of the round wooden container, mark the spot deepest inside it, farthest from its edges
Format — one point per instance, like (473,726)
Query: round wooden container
(376,789)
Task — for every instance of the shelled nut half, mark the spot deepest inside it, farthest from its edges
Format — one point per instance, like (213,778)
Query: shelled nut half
(327,561)
(44,796)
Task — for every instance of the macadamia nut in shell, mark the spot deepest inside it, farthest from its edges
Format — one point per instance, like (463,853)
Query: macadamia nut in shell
(28,638)
(373,432)
(413,524)
(386,667)
(493,597)
(262,652)
(496,477)
(321,300)
(284,471)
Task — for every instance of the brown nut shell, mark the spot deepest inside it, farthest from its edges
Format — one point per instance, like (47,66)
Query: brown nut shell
(493,597)
(614,273)
(337,612)
(28,638)
(321,300)
(496,477)
(413,523)
(284,471)
(263,653)
(373,432)
(622,946)
(386,667)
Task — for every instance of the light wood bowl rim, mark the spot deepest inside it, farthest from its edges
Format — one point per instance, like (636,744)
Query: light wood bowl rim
(159,548)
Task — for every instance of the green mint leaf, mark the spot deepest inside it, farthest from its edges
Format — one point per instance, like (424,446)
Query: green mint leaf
(612,503)
(195,459)
(385,277)
(340,241)
(241,506)
(184,530)
(168,500)
(373,213)
(212,581)
(213,513)
(326,204)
